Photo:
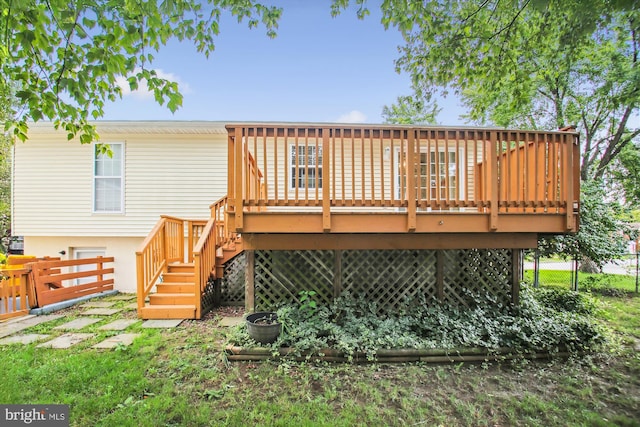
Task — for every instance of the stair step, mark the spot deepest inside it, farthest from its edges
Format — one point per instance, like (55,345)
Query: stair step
(178,277)
(175,288)
(185,311)
(181,268)
(171,299)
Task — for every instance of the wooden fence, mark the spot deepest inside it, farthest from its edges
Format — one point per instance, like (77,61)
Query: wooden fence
(39,282)
(14,299)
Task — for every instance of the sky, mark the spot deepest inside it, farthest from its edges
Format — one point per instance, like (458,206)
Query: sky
(317,69)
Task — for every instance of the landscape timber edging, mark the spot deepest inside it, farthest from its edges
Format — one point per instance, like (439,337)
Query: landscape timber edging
(235,353)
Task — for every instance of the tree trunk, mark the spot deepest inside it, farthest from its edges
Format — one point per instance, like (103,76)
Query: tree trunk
(587,265)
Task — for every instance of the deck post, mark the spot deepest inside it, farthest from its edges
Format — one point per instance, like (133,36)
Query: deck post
(516,272)
(337,273)
(250,282)
(440,275)
(238,178)
(493,173)
(568,181)
(411,180)
(326,174)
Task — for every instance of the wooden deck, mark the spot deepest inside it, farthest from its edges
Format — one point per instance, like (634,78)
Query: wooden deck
(338,187)
(347,179)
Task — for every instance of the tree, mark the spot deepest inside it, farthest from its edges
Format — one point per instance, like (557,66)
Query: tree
(64,57)
(5,174)
(528,63)
(600,238)
(408,110)
(534,64)
(625,174)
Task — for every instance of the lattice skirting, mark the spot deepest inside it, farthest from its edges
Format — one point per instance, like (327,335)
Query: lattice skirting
(209,297)
(386,277)
(232,283)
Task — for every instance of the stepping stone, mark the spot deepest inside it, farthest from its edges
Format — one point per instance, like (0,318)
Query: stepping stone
(66,341)
(123,297)
(101,312)
(117,340)
(12,328)
(118,325)
(161,323)
(17,319)
(23,339)
(231,321)
(100,304)
(132,306)
(78,323)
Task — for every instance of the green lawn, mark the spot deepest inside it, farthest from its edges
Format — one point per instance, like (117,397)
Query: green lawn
(562,279)
(180,377)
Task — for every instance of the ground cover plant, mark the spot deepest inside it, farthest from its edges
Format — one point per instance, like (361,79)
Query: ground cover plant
(550,320)
(180,377)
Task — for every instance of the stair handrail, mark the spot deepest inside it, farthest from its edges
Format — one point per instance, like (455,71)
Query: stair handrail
(204,261)
(164,244)
(219,214)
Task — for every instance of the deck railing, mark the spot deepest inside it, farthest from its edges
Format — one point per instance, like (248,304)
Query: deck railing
(414,170)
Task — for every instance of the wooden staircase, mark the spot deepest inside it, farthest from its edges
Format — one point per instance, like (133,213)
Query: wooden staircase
(175,296)
(171,280)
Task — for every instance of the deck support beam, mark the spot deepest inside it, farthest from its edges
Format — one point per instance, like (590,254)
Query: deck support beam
(250,284)
(306,241)
(516,273)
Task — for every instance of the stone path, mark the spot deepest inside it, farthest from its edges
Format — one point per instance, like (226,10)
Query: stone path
(117,340)
(17,326)
(101,312)
(74,330)
(78,323)
(118,325)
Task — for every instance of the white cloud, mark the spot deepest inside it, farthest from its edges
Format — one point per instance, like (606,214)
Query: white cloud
(353,116)
(142,92)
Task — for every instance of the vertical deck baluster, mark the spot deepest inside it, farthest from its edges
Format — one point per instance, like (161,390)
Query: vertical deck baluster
(373,181)
(392,166)
(536,166)
(342,167)
(275,166)
(306,167)
(286,165)
(363,174)
(296,171)
(332,142)
(353,167)
(459,159)
(381,154)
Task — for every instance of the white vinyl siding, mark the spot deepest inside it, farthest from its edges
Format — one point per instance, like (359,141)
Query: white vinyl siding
(177,174)
(108,179)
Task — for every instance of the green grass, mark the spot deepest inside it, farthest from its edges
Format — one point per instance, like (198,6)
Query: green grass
(562,279)
(180,377)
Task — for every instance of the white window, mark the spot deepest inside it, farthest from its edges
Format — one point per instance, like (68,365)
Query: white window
(440,176)
(306,166)
(108,182)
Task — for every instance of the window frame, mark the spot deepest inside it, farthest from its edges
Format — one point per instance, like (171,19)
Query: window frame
(294,168)
(96,177)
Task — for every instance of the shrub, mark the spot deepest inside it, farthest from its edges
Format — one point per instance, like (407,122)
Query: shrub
(546,319)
